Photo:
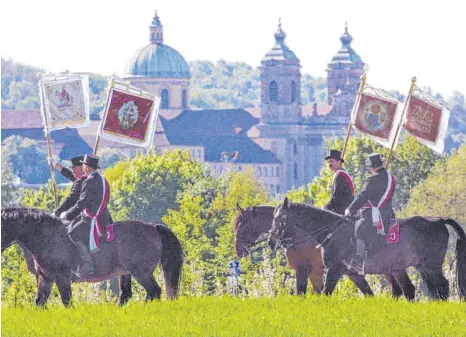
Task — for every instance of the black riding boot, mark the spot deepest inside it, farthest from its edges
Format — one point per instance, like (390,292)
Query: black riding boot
(357,260)
(87,269)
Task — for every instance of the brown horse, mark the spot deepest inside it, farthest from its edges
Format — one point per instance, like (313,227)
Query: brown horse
(135,251)
(303,256)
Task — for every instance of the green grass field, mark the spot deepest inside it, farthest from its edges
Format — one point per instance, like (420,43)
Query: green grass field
(214,316)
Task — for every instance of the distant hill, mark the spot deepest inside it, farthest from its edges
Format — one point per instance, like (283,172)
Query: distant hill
(216,85)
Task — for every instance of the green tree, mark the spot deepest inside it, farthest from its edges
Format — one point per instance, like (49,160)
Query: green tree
(109,157)
(9,192)
(443,193)
(25,159)
(149,185)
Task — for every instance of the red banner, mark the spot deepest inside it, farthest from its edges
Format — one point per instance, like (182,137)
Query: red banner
(375,116)
(423,119)
(128,116)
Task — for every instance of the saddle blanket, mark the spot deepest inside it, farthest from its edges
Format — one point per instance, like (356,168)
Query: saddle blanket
(393,235)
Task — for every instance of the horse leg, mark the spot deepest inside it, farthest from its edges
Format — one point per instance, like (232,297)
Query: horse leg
(316,277)
(301,279)
(125,288)
(396,290)
(405,283)
(64,287)
(43,291)
(151,286)
(437,284)
(334,274)
(361,282)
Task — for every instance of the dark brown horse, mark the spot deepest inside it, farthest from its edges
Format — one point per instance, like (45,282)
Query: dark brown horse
(136,250)
(302,255)
(423,245)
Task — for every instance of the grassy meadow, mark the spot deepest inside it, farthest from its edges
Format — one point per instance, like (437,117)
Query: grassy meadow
(226,316)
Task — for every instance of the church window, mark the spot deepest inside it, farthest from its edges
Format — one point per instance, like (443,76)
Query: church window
(199,154)
(293,92)
(277,172)
(295,147)
(184,99)
(165,99)
(278,188)
(273,92)
(271,171)
(259,171)
(295,171)
(265,171)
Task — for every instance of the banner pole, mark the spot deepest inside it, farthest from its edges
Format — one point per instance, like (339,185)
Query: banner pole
(355,105)
(96,146)
(47,137)
(398,129)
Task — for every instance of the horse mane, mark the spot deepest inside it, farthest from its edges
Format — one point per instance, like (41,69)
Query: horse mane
(17,212)
(309,208)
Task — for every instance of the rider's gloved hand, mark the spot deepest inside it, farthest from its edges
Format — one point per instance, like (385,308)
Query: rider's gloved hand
(53,161)
(347,213)
(63,216)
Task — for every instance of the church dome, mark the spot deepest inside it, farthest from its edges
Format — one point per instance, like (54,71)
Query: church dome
(157,59)
(280,51)
(346,54)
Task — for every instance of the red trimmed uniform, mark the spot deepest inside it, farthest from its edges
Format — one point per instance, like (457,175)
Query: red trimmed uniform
(92,200)
(376,193)
(342,192)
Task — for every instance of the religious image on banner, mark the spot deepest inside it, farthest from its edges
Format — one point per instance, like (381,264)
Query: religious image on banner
(375,117)
(426,120)
(129,117)
(65,100)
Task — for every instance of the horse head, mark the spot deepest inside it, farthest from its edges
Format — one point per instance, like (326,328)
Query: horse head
(249,224)
(10,225)
(279,224)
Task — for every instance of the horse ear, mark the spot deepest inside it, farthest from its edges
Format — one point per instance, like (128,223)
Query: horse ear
(238,207)
(285,202)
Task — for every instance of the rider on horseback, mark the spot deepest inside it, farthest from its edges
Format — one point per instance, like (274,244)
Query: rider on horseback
(342,186)
(89,211)
(374,203)
(74,174)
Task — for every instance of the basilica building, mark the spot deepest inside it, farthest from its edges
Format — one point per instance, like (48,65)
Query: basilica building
(283,141)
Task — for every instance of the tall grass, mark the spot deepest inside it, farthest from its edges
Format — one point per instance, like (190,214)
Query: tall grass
(225,316)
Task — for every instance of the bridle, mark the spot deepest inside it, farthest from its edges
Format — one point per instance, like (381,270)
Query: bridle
(253,247)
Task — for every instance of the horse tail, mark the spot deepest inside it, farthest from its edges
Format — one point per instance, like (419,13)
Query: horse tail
(172,261)
(460,255)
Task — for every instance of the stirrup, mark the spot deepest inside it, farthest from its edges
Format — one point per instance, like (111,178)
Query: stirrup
(353,265)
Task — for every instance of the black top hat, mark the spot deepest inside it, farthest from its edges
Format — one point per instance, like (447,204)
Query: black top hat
(375,160)
(76,161)
(334,154)
(92,161)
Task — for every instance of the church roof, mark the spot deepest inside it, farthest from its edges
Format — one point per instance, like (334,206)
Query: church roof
(280,51)
(28,124)
(157,59)
(346,54)
(218,131)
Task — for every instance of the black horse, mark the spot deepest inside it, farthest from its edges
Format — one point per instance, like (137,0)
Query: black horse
(136,250)
(423,245)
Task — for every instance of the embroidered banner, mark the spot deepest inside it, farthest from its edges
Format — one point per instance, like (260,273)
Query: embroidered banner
(64,100)
(426,120)
(376,118)
(130,115)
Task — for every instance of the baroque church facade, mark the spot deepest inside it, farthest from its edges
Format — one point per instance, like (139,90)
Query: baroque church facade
(286,146)
(283,141)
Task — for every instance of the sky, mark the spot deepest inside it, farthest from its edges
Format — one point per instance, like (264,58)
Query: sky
(397,39)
